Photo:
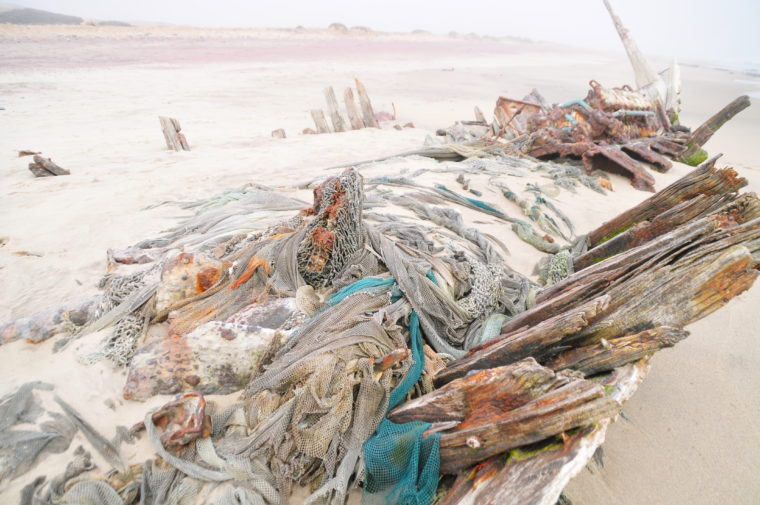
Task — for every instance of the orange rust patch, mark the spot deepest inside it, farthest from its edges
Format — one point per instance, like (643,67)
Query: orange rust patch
(729,282)
(206,278)
(253,263)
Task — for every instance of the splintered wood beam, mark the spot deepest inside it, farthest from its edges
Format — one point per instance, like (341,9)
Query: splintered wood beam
(643,232)
(479,115)
(44,167)
(706,130)
(536,474)
(332,108)
(171,130)
(367,111)
(674,294)
(578,403)
(705,179)
(608,355)
(520,344)
(352,111)
(483,394)
(319,121)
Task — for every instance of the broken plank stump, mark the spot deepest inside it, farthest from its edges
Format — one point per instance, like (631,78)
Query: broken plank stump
(319,121)
(479,115)
(174,139)
(44,167)
(278,134)
(332,108)
(353,113)
(693,153)
(367,111)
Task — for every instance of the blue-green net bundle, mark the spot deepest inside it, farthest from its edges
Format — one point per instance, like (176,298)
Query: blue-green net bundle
(400,466)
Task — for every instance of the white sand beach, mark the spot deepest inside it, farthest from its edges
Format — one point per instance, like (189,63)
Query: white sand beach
(89,98)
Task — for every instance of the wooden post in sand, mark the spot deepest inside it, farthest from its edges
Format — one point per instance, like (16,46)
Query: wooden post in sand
(174,139)
(332,107)
(353,112)
(367,111)
(319,121)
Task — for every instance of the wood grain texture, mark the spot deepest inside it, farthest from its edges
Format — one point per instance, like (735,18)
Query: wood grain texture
(368,113)
(339,125)
(353,112)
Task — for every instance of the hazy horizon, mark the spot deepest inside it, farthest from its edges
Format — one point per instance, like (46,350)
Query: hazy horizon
(697,30)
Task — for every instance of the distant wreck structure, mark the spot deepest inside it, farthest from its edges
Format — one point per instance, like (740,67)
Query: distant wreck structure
(378,338)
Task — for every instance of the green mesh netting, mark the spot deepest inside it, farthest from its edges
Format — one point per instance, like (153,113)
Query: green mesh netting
(400,466)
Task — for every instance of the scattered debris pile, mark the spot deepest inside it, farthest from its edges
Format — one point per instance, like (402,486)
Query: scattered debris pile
(394,353)
(396,350)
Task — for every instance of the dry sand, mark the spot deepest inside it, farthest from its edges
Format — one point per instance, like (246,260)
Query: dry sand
(89,96)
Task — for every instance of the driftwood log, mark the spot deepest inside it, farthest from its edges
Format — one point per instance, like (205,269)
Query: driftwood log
(44,167)
(705,180)
(171,129)
(702,134)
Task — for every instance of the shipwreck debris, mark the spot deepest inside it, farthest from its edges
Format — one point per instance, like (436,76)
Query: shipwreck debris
(175,140)
(45,167)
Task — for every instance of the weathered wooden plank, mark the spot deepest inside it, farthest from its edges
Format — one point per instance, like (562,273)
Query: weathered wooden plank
(707,129)
(611,354)
(537,474)
(44,167)
(705,179)
(368,113)
(332,108)
(352,111)
(643,232)
(481,395)
(479,115)
(515,346)
(171,129)
(319,121)
(578,403)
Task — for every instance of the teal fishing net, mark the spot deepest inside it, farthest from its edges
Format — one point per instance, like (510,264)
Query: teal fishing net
(400,466)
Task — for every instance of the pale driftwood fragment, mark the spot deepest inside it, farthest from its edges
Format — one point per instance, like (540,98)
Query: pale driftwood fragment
(332,108)
(319,121)
(26,152)
(368,113)
(278,134)
(171,128)
(479,115)
(352,111)
(44,167)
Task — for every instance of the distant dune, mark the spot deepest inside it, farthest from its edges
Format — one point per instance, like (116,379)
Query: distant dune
(25,16)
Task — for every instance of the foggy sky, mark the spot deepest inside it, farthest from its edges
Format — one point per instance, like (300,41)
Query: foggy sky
(722,32)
